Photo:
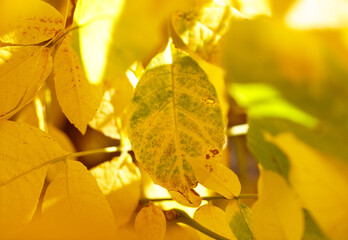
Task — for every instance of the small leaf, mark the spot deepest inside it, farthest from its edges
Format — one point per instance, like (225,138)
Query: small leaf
(119,180)
(193,198)
(75,208)
(214,219)
(150,223)
(176,125)
(78,98)
(220,179)
(24,150)
(239,217)
(29,22)
(22,72)
(277,213)
(201,26)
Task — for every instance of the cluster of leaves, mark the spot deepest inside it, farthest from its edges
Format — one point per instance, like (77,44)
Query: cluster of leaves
(172,114)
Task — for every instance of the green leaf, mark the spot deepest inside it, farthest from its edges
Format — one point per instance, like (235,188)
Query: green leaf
(263,100)
(306,69)
(239,217)
(325,138)
(312,230)
(267,154)
(176,126)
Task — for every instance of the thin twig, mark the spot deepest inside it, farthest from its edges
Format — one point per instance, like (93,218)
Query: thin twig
(241,196)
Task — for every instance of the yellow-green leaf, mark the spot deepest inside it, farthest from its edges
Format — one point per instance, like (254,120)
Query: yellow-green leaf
(214,219)
(22,72)
(75,208)
(78,98)
(111,114)
(277,213)
(29,22)
(176,126)
(119,180)
(239,218)
(24,150)
(150,223)
(321,181)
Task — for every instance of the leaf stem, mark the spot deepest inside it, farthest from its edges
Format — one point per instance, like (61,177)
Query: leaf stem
(71,155)
(241,196)
(183,217)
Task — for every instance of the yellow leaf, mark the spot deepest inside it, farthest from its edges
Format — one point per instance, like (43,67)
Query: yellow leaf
(28,115)
(29,21)
(65,142)
(194,200)
(150,223)
(22,72)
(176,125)
(221,179)
(202,26)
(214,219)
(277,213)
(75,208)
(175,232)
(110,116)
(24,154)
(61,137)
(239,218)
(321,182)
(78,98)
(114,29)
(119,180)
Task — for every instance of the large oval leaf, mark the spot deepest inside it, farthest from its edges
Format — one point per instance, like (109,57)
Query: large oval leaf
(24,150)
(22,72)
(29,22)
(74,206)
(177,126)
(78,98)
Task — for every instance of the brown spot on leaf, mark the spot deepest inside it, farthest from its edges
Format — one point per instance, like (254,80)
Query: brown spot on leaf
(209,167)
(214,151)
(207,156)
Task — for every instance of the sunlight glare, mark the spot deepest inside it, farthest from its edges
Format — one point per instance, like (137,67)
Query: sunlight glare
(318,14)
(97,35)
(254,8)
(168,53)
